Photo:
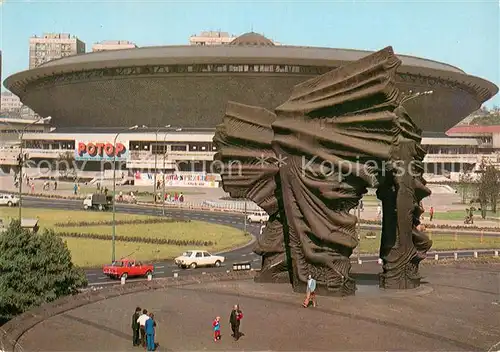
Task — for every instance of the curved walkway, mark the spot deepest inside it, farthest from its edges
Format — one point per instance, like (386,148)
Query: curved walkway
(456,310)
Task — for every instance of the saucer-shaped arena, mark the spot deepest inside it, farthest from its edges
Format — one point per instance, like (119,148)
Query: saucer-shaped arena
(189,86)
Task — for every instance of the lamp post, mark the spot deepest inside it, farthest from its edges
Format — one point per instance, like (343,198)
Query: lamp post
(114,191)
(156,166)
(163,173)
(21,160)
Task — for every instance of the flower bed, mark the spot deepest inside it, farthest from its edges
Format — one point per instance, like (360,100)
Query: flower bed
(118,222)
(161,241)
(443,226)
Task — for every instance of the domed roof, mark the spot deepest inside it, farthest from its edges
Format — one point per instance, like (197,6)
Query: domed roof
(252,39)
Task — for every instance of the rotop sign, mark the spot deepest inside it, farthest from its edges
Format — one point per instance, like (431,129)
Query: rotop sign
(100,151)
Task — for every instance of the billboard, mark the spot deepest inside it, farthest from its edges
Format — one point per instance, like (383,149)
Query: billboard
(98,151)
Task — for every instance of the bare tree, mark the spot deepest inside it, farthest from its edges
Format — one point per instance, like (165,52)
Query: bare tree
(65,165)
(489,187)
(465,186)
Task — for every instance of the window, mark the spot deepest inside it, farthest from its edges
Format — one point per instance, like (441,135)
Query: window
(198,255)
(206,254)
(178,148)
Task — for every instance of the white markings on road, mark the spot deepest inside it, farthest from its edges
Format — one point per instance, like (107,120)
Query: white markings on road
(256,260)
(102,277)
(176,270)
(91,274)
(160,266)
(159,272)
(243,255)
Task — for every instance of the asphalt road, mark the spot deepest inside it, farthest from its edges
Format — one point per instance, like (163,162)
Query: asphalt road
(245,254)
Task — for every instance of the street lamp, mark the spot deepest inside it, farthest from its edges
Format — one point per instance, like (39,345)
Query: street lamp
(163,173)
(22,157)
(156,168)
(114,190)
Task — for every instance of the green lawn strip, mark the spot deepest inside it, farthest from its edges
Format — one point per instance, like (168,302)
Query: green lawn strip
(87,189)
(94,253)
(440,242)
(460,215)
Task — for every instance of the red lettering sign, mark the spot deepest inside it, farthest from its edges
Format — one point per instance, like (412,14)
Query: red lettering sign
(100,149)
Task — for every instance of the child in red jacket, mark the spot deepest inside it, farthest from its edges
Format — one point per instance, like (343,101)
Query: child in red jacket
(216,327)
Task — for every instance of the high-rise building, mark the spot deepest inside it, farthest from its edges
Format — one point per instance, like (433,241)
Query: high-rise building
(113,45)
(10,102)
(211,38)
(53,46)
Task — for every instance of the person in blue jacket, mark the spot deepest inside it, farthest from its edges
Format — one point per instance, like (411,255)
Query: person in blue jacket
(150,332)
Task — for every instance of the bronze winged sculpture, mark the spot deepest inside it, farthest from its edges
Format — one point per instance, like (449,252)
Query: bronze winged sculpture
(309,163)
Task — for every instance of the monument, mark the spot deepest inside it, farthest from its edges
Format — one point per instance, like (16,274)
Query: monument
(309,163)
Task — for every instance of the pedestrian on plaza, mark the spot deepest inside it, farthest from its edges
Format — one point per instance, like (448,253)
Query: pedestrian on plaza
(75,189)
(33,187)
(181,197)
(79,189)
(379,212)
(135,327)
(310,292)
(55,185)
(216,327)
(431,213)
(142,323)
(176,197)
(235,321)
(105,191)
(149,328)
(361,205)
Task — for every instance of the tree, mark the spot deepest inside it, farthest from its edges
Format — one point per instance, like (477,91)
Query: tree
(65,164)
(489,187)
(34,269)
(465,186)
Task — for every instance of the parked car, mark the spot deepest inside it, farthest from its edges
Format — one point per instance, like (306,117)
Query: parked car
(193,259)
(260,216)
(9,200)
(98,201)
(127,268)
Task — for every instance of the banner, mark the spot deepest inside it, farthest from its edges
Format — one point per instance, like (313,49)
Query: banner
(98,151)
(176,180)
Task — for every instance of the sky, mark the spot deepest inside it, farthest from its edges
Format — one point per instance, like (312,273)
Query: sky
(465,34)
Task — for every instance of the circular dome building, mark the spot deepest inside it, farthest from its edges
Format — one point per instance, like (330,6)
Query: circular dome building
(189,86)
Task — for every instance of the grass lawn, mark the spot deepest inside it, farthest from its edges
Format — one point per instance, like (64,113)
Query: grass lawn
(440,242)
(90,252)
(460,215)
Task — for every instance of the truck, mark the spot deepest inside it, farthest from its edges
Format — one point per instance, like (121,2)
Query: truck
(125,268)
(98,201)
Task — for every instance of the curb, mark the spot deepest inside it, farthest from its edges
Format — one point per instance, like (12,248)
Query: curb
(13,330)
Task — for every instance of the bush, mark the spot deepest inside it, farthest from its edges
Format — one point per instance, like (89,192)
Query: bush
(443,226)
(118,222)
(34,269)
(162,241)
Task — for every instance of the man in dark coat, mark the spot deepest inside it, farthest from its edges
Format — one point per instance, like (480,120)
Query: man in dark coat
(135,327)
(234,321)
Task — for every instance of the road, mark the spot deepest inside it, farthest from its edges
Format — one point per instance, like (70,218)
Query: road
(168,268)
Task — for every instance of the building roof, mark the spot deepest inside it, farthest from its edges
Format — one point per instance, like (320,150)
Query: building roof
(473,129)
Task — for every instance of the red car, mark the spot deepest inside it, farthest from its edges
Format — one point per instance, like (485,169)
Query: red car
(127,268)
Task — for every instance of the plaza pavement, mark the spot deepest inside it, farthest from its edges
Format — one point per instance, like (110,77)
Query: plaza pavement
(456,310)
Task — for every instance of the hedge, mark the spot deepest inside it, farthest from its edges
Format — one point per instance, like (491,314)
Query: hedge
(119,222)
(442,226)
(148,240)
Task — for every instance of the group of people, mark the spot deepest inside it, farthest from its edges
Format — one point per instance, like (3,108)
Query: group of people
(143,329)
(144,326)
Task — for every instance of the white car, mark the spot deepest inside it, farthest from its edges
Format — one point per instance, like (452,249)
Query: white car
(260,216)
(9,200)
(194,259)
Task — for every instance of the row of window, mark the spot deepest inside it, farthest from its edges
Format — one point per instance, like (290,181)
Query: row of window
(221,68)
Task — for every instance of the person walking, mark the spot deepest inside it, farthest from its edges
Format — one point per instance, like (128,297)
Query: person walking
(136,326)
(235,321)
(216,327)
(431,213)
(310,292)
(142,324)
(149,328)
